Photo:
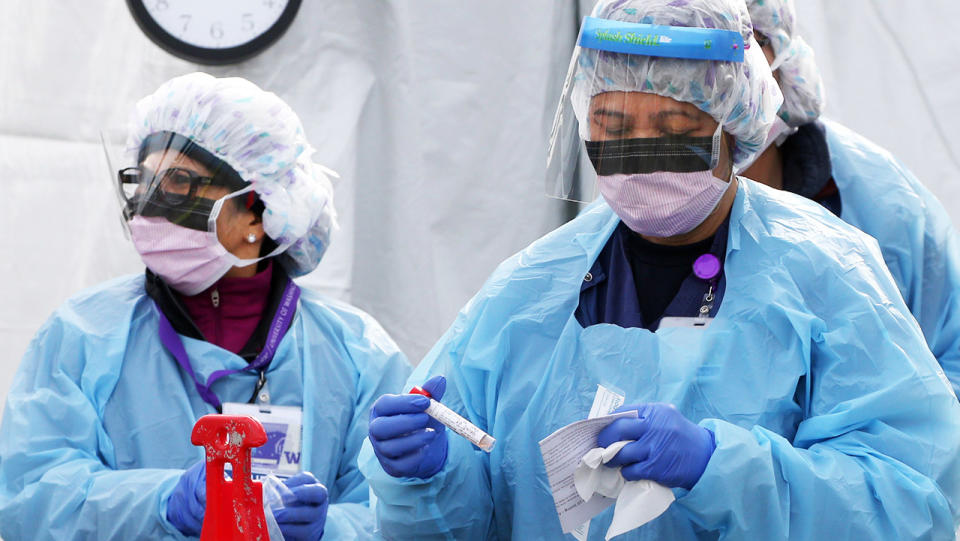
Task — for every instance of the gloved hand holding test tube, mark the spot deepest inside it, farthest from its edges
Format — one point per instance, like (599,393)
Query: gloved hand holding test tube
(408,432)
(455,422)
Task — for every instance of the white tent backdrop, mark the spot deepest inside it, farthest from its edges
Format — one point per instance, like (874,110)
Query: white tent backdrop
(434,113)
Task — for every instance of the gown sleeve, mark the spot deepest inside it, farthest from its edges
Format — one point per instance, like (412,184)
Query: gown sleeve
(57,479)
(382,369)
(457,502)
(875,455)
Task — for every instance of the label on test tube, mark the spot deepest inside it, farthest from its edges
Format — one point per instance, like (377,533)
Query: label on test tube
(455,422)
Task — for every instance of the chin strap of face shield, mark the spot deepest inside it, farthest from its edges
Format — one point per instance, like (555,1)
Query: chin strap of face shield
(661,41)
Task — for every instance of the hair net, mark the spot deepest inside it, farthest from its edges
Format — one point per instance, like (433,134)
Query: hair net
(262,139)
(743,97)
(800,81)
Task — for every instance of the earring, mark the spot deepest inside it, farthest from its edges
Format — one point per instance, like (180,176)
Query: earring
(251,238)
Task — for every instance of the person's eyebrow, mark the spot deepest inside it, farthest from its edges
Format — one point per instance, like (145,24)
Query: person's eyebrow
(608,112)
(664,115)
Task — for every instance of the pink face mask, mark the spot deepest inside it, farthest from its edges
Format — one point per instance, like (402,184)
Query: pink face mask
(663,204)
(188,260)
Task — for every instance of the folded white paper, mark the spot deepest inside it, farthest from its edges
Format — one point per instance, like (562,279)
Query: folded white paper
(604,402)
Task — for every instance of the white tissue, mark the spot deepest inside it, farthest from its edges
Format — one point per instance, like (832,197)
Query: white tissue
(638,502)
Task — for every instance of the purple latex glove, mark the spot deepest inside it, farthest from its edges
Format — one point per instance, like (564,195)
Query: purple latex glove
(669,449)
(304,514)
(187,502)
(407,441)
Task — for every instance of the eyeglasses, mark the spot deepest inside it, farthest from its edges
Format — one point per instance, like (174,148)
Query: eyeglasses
(174,186)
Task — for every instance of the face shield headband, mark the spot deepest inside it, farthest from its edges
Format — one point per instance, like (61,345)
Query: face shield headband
(662,41)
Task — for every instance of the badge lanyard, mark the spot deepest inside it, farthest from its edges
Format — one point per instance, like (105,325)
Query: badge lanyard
(278,328)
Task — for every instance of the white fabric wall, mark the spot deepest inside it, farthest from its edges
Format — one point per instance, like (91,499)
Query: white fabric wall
(434,113)
(891,72)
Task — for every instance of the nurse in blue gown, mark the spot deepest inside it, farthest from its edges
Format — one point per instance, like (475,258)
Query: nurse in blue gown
(790,395)
(225,207)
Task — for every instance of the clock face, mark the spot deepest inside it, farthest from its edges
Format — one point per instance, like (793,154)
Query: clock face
(214,31)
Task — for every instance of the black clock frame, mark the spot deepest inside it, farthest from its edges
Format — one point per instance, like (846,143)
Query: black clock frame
(204,55)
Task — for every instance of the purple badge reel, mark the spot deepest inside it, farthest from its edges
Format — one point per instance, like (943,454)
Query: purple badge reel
(706,267)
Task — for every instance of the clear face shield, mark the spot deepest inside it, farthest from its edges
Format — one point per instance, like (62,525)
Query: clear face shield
(614,117)
(174,195)
(170,177)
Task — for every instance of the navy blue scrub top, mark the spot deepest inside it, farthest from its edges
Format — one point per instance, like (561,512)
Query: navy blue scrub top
(807,169)
(609,295)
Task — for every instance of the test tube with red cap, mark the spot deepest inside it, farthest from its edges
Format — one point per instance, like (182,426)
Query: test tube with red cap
(455,422)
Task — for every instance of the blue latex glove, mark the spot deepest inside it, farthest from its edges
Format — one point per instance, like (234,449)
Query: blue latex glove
(408,442)
(669,449)
(304,514)
(188,500)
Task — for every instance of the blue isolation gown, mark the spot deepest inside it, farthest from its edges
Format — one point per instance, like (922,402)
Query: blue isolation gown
(96,429)
(917,239)
(832,418)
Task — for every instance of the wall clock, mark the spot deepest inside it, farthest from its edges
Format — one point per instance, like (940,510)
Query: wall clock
(214,31)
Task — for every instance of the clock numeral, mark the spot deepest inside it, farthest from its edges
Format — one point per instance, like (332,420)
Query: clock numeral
(161,5)
(216,30)
(185,19)
(246,22)
(270,3)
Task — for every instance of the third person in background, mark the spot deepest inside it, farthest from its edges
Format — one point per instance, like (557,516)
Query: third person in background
(861,183)
(780,387)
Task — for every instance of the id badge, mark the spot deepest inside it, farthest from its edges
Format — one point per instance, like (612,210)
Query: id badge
(280,456)
(688,322)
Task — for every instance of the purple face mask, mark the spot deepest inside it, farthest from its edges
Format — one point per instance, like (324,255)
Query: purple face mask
(663,204)
(188,260)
